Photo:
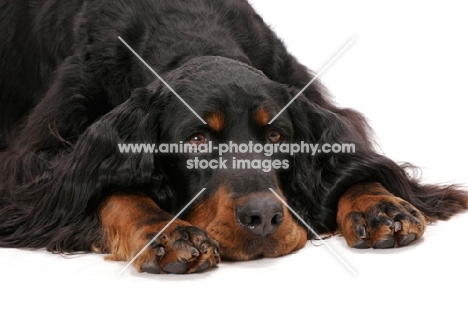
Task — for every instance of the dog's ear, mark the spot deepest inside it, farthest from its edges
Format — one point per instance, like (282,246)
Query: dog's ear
(316,181)
(105,153)
(99,165)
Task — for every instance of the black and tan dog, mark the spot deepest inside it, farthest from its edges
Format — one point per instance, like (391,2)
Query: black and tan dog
(71,92)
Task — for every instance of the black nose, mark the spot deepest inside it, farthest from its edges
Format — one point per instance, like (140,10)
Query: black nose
(261,215)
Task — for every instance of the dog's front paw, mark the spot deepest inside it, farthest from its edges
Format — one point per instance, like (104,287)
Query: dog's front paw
(370,216)
(180,250)
(131,220)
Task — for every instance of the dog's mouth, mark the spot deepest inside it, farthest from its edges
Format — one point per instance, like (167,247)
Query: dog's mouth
(252,226)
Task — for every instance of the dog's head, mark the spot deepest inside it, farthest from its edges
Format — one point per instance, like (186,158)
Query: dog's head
(233,156)
(240,158)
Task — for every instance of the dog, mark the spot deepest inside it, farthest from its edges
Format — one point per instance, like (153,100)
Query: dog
(74,93)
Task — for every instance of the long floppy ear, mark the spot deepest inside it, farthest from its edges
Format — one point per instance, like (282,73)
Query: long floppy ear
(70,191)
(317,181)
(102,154)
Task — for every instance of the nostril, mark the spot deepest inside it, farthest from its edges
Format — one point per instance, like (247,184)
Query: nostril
(251,220)
(277,219)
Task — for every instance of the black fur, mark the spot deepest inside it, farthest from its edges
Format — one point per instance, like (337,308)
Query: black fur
(70,91)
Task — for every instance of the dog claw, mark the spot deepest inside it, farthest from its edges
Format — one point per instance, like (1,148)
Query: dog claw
(195,252)
(160,251)
(361,232)
(204,248)
(397,226)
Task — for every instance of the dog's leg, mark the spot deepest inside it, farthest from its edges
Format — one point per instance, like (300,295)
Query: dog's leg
(370,216)
(129,221)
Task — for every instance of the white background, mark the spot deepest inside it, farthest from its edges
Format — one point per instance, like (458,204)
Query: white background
(407,72)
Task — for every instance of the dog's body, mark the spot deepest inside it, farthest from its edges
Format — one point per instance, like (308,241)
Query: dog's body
(71,91)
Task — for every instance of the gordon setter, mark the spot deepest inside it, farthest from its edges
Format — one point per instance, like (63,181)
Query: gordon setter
(72,94)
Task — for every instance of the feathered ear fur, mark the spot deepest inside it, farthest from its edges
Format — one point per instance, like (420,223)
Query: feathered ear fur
(317,181)
(69,191)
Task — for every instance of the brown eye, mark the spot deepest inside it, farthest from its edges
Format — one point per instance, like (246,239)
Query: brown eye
(274,136)
(197,139)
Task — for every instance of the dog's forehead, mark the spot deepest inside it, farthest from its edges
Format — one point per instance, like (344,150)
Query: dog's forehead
(216,87)
(221,64)
(213,71)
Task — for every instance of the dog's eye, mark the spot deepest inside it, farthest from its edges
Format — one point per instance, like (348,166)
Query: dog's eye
(274,136)
(197,139)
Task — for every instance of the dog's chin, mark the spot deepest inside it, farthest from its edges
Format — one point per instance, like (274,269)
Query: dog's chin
(261,248)
(241,246)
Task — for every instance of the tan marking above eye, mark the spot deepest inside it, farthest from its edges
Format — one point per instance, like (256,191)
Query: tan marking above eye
(262,116)
(216,121)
